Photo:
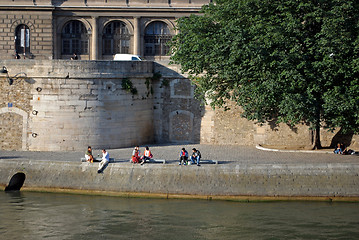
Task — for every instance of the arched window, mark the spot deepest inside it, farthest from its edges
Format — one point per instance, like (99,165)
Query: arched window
(157,35)
(116,38)
(74,38)
(22,39)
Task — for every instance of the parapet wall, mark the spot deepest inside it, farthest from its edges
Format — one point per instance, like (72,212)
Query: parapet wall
(67,105)
(229,181)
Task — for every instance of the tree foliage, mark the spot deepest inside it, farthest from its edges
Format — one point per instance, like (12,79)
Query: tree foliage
(292,60)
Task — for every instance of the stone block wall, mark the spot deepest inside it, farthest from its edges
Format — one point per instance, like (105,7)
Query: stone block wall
(76,103)
(14,110)
(11,131)
(67,105)
(228,127)
(177,113)
(229,181)
(41,32)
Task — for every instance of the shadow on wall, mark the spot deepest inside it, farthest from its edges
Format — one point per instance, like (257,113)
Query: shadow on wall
(59,2)
(177,113)
(341,137)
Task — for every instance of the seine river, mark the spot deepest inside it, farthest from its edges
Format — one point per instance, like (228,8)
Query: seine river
(28,215)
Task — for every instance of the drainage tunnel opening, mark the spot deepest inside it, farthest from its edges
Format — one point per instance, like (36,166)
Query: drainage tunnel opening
(16,182)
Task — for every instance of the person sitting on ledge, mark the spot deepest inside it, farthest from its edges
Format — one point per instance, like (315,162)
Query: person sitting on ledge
(136,155)
(147,155)
(183,157)
(88,155)
(348,151)
(105,161)
(196,156)
(338,149)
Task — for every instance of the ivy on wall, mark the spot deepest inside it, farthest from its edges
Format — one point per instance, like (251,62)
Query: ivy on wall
(127,85)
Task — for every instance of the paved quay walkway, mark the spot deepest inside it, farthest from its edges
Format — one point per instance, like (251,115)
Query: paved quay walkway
(243,173)
(226,154)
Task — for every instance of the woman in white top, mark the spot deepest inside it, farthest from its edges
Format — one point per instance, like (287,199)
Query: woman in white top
(147,155)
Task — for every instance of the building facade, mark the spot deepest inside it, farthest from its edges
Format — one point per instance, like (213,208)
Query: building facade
(93,29)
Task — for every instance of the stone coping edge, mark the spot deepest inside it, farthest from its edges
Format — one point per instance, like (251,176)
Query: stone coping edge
(191,197)
(289,151)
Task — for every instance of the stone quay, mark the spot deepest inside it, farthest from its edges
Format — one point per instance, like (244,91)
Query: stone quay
(242,174)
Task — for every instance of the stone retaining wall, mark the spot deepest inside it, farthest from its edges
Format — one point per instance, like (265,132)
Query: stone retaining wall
(266,180)
(67,105)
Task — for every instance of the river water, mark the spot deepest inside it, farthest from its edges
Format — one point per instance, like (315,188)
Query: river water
(26,215)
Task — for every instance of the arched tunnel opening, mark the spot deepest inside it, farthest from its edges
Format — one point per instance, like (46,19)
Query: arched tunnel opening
(16,182)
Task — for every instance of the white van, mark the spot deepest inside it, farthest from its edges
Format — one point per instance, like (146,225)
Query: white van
(127,57)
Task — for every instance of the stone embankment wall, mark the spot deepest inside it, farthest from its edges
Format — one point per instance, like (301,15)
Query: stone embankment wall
(212,181)
(67,105)
(177,114)
(228,127)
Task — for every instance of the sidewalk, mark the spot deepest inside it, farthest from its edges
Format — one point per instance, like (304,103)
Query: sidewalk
(225,154)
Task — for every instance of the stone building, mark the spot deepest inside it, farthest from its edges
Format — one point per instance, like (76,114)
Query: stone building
(94,29)
(50,103)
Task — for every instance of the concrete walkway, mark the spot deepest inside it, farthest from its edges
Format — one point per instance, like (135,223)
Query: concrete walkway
(228,155)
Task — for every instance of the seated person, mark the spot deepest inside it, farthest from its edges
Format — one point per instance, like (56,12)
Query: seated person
(183,157)
(105,161)
(147,155)
(338,149)
(196,156)
(88,155)
(136,155)
(348,151)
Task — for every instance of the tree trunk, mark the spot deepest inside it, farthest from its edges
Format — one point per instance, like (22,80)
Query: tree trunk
(316,143)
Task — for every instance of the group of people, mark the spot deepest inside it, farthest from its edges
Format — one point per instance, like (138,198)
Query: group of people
(137,158)
(104,161)
(183,156)
(147,155)
(194,158)
(340,149)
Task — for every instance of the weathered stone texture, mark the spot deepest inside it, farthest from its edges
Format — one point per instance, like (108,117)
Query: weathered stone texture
(228,127)
(291,180)
(18,94)
(66,105)
(177,113)
(71,109)
(11,131)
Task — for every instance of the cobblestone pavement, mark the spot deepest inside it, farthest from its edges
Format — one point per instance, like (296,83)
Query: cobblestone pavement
(225,154)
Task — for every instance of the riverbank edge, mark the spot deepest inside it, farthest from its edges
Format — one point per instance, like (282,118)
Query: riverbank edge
(240,182)
(353,199)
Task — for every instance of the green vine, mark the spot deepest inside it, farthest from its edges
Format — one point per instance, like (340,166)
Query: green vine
(156,76)
(148,83)
(127,85)
(164,83)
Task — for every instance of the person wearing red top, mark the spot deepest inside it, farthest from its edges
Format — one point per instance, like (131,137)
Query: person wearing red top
(136,155)
(183,157)
(147,155)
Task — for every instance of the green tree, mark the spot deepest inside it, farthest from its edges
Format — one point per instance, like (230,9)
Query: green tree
(293,61)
